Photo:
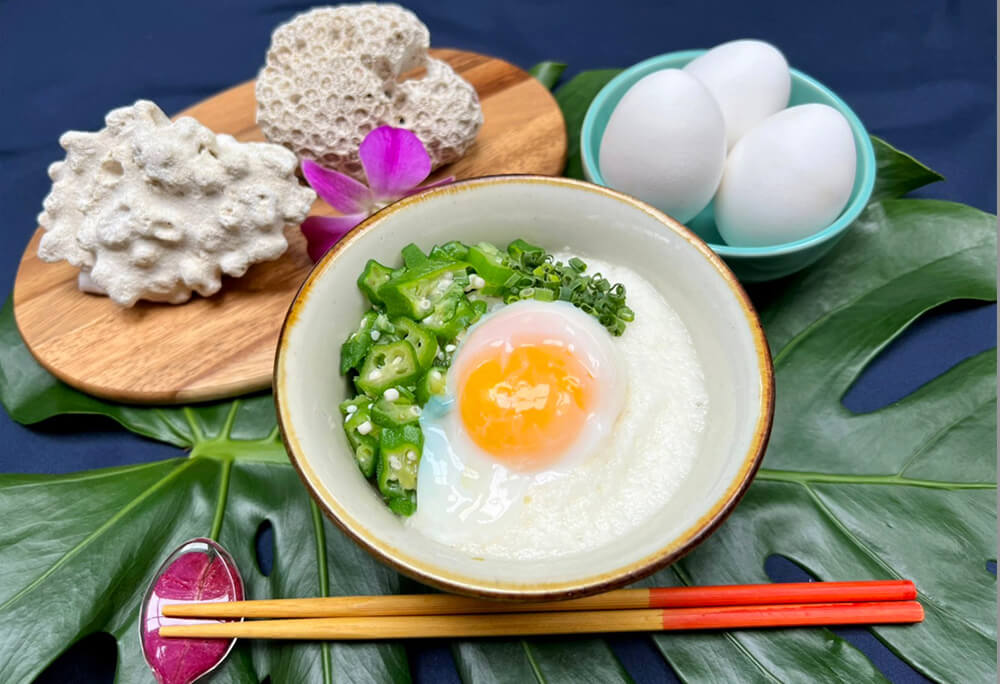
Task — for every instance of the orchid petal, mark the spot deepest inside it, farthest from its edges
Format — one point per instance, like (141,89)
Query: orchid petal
(428,186)
(323,232)
(340,191)
(395,161)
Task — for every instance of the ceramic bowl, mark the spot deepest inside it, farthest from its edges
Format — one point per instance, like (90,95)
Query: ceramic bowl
(554,213)
(751,264)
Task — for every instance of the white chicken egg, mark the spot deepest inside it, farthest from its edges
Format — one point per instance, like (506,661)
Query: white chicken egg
(788,178)
(535,388)
(748,78)
(665,143)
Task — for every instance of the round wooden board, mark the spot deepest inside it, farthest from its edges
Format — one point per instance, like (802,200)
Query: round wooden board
(224,345)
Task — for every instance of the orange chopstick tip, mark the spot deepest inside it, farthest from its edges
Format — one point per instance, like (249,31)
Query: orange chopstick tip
(793,615)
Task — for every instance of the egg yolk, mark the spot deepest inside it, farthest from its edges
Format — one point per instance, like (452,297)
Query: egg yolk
(527,405)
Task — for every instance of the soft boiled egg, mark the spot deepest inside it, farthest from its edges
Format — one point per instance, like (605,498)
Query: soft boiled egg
(788,178)
(534,389)
(748,78)
(665,143)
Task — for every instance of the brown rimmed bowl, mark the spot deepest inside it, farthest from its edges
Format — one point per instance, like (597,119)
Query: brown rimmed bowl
(556,213)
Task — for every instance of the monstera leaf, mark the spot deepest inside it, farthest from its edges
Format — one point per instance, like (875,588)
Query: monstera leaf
(907,491)
(548,73)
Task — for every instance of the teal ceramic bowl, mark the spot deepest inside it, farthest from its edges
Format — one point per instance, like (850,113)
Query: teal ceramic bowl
(750,264)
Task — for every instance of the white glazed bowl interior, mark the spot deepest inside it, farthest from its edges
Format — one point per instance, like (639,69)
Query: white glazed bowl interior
(554,213)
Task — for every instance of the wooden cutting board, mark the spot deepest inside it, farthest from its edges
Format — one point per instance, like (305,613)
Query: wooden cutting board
(224,345)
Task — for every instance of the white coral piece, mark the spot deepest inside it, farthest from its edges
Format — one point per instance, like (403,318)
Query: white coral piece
(333,74)
(152,209)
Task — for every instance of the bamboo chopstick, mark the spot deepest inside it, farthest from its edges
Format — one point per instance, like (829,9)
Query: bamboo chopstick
(582,622)
(622,599)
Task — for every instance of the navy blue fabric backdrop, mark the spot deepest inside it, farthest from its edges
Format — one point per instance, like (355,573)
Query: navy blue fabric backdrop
(920,74)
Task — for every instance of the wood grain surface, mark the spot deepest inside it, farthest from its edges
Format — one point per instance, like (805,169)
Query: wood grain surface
(224,345)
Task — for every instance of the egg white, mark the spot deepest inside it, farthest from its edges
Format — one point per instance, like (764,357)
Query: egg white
(468,501)
(463,493)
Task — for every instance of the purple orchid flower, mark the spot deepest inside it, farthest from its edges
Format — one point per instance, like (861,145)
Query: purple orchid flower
(395,163)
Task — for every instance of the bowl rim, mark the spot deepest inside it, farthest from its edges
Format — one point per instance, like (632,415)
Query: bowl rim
(842,222)
(447,580)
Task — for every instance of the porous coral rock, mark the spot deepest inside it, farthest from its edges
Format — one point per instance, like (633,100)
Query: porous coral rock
(152,209)
(334,74)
